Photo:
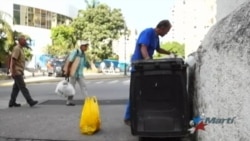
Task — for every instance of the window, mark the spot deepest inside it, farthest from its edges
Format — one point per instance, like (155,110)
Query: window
(30,9)
(16,7)
(48,20)
(59,19)
(25,15)
(16,14)
(37,17)
(16,17)
(43,18)
(31,19)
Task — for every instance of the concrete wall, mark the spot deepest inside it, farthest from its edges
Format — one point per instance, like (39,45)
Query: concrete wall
(221,79)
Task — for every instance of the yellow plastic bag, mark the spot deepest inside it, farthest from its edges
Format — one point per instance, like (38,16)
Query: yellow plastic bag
(90,121)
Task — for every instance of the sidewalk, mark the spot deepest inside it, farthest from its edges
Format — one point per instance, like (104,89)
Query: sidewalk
(60,123)
(45,122)
(57,122)
(46,79)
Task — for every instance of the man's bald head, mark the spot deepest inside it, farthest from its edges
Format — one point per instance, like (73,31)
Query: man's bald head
(22,41)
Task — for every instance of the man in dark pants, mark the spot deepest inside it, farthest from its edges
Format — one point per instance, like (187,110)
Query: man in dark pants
(17,65)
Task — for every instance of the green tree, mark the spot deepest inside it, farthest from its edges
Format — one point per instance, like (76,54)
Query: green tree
(6,37)
(63,40)
(28,54)
(175,47)
(100,25)
(92,3)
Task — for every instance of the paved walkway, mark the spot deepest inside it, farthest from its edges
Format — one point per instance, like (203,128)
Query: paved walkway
(60,123)
(45,122)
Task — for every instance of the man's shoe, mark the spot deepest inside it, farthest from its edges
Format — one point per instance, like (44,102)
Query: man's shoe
(70,104)
(127,122)
(32,103)
(14,105)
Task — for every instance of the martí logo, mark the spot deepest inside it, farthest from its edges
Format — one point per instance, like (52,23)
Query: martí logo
(199,122)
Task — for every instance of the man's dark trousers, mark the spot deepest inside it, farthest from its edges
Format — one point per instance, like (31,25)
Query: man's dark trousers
(19,85)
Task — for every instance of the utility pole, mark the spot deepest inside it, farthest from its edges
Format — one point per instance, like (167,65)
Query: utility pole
(125,50)
(126,34)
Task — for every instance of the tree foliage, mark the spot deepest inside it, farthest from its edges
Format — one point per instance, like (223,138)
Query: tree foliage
(28,54)
(100,25)
(63,40)
(92,3)
(174,47)
(7,39)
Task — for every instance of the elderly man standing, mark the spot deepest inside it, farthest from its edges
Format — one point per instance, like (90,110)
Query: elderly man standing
(17,66)
(77,75)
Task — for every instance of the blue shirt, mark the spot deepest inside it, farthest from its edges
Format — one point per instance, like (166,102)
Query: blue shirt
(83,61)
(149,38)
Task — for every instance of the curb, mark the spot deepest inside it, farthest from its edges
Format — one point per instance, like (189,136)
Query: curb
(27,81)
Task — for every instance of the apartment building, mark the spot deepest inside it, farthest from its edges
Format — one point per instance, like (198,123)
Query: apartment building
(193,18)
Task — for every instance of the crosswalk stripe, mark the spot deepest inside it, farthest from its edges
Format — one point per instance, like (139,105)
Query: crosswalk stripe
(113,81)
(99,82)
(124,82)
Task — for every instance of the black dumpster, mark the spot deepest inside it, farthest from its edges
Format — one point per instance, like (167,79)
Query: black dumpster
(159,99)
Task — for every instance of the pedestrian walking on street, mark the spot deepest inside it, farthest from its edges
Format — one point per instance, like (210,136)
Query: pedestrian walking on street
(75,70)
(146,45)
(17,65)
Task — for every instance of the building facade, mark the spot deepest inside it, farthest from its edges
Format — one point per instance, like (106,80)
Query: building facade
(36,18)
(125,45)
(193,18)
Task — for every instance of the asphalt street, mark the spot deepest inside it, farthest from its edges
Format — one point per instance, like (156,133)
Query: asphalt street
(105,89)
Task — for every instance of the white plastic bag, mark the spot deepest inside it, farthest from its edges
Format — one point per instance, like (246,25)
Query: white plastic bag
(64,88)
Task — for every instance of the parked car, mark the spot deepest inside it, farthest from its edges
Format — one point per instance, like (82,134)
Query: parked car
(55,67)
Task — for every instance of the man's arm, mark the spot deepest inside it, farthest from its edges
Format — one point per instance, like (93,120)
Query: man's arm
(12,66)
(68,68)
(144,52)
(69,62)
(163,51)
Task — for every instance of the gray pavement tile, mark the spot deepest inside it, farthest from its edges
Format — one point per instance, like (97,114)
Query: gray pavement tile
(59,122)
